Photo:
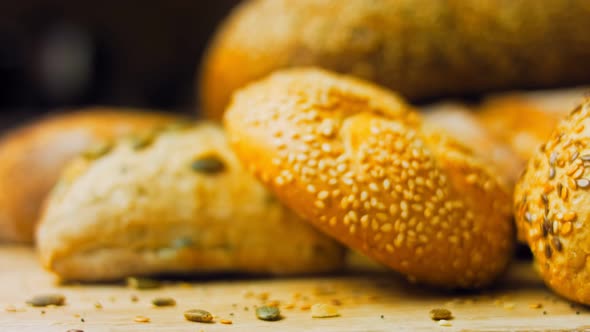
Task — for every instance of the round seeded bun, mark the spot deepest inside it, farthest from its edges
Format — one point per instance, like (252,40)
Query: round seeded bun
(355,161)
(180,202)
(462,124)
(552,201)
(524,120)
(31,158)
(422,49)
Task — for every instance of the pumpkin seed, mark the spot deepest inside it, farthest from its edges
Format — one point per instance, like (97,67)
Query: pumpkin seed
(440,314)
(198,315)
(46,300)
(268,313)
(142,283)
(97,150)
(142,141)
(164,302)
(208,165)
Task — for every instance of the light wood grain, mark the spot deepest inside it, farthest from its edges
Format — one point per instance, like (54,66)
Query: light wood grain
(364,296)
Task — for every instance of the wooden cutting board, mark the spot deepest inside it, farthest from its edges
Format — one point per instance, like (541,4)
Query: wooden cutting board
(367,301)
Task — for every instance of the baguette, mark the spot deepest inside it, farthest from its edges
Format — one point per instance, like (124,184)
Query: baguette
(422,49)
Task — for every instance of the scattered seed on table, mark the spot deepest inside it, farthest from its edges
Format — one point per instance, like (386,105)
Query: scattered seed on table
(98,305)
(509,306)
(134,298)
(10,308)
(305,306)
(46,300)
(164,302)
(440,314)
(322,310)
(198,315)
(268,313)
(142,319)
(535,306)
(226,321)
(142,283)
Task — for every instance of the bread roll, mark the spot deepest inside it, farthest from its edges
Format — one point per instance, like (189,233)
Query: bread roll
(552,202)
(355,161)
(420,48)
(524,120)
(463,125)
(178,203)
(31,158)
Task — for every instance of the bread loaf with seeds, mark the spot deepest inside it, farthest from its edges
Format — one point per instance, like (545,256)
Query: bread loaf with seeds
(356,161)
(551,203)
(179,203)
(423,49)
(31,158)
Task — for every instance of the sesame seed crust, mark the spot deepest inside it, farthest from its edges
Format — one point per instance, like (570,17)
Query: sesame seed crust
(551,206)
(408,195)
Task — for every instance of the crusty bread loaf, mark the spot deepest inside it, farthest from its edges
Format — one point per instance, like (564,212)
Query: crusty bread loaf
(462,124)
(179,202)
(355,161)
(420,48)
(552,206)
(524,120)
(31,158)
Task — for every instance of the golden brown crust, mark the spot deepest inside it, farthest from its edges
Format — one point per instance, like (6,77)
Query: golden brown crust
(463,125)
(33,156)
(552,206)
(524,120)
(180,203)
(421,48)
(355,161)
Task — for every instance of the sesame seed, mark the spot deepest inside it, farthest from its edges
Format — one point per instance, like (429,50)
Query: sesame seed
(382,216)
(583,183)
(528,217)
(572,183)
(566,228)
(323,195)
(319,204)
(585,157)
(551,172)
(564,193)
(374,187)
(386,227)
(574,156)
(552,158)
(569,216)
(544,199)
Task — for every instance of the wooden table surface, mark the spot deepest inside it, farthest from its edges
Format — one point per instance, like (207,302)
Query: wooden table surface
(367,301)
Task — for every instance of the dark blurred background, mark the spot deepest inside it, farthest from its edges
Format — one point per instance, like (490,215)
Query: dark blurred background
(67,53)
